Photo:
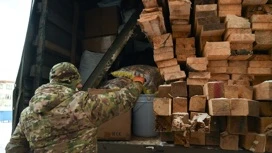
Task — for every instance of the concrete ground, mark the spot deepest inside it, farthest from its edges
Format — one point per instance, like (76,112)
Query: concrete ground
(5,132)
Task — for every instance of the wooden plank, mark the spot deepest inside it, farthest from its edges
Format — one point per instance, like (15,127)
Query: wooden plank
(268,147)
(197,63)
(163,123)
(198,103)
(224,13)
(183,58)
(243,64)
(243,47)
(237,70)
(260,18)
(164,91)
(229,141)
(260,64)
(164,40)
(213,29)
(230,31)
(197,138)
(212,138)
(163,50)
(265,109)
(173,76)
(239,82)
(229,1)
(230,7)
(261,26)
(254,2)
(244,107)
(177,8)
(259,71)
(242,77)
(191,81)
(219,77)
(166,63)
(231,91)
(263,91)
(237,125)
(245,91)
(162,106)
(217,69)
(181,28)
(233,21)
(180,104)
(219,107)
(150,3)
(200,75)
(179,89)
(180,121)
(221,63)
(169,69)
(263,40)
(241,38)
(264,124)
(254,142)
(163,56)
(206,7)
(214,89)
(205,20)
(217,50)
(195,90)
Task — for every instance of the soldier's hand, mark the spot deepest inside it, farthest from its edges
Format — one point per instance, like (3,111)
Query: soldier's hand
(139,79)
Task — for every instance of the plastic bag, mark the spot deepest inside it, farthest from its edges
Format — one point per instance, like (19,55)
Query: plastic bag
(150,73)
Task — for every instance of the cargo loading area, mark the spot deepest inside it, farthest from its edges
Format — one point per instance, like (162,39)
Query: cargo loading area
(214,57)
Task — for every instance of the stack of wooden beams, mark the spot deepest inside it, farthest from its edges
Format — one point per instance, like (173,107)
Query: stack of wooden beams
(172,115)
(179,11)
(151,22)
(226,59)
(249,10)
(164,58)
(228,7)
(262,27)
(240,36)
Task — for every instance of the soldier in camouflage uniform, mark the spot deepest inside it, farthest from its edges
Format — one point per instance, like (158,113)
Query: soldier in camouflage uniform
(60,119)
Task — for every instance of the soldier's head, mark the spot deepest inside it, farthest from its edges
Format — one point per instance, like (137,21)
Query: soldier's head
(65,73)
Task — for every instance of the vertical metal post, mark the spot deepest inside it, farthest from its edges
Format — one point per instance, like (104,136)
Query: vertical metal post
(41,44)
(74,33)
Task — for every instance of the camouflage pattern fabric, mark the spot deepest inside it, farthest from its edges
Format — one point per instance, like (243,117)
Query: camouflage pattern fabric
(116,83)
(150,73)
(61,120)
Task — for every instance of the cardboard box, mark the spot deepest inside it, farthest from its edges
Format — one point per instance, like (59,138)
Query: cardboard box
(118,128)
(102,21)
(99,44)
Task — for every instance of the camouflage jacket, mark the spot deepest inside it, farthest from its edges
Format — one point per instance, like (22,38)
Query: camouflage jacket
(61,120)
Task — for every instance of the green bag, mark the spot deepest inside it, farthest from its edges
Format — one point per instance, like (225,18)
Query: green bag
(150,73)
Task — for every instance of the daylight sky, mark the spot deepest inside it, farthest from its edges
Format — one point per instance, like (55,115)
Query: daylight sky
(14,16)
